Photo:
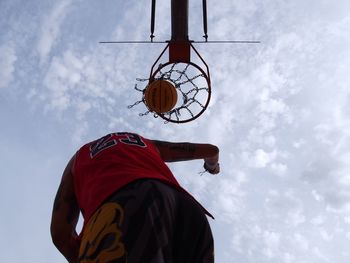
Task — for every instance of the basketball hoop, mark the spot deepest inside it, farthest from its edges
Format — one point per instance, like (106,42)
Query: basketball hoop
(192,84)
(191,81)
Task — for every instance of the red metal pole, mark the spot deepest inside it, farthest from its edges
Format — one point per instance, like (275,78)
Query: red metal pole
(179,45)
(179,20)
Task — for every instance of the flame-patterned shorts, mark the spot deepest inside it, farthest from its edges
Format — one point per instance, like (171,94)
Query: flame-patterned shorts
(148,221)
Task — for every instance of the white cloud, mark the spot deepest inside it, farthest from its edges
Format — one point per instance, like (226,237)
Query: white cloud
(50,28)
(325,235)
(262,158)
(8,58)
(272,243)
(320,254)
(230,200)
(301,241)
(296,217)
(318,220)
(79,133)
(279,168)
(348,235)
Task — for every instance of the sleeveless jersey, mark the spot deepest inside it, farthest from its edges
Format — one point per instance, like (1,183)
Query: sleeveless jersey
(111,162)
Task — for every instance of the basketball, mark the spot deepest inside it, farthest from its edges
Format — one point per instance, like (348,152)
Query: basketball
(160,96)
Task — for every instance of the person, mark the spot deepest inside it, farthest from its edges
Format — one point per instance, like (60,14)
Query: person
(134,209)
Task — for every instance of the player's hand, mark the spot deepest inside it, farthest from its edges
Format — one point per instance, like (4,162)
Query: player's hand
(212,168)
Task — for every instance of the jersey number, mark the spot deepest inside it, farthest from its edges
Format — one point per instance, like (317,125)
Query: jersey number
(107,141)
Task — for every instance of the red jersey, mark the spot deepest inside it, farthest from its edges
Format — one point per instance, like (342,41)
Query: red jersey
(111,162)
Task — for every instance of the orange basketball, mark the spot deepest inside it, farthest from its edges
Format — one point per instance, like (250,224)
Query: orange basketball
(160,96)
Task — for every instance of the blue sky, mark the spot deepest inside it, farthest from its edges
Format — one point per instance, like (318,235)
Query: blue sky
(279,114)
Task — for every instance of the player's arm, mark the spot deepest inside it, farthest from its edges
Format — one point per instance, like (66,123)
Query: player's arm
(185,151)
(65,216)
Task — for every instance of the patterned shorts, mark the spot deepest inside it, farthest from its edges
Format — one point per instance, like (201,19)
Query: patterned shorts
(148,222)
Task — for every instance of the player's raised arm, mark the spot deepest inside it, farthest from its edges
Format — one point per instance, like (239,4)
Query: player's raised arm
(185,151)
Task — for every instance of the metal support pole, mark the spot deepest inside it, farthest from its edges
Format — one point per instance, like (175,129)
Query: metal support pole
(153,12)
(205,25)
(179,20)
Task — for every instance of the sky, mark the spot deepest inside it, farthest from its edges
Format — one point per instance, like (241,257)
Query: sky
(279,114)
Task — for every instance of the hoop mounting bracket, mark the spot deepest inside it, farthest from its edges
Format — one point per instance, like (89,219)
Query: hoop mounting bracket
(179,51)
